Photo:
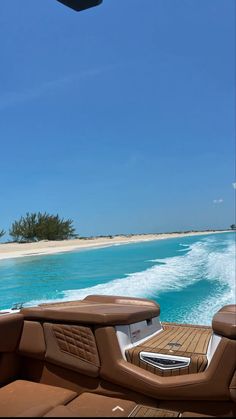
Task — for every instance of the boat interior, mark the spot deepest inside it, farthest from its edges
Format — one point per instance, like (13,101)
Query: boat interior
(110,356)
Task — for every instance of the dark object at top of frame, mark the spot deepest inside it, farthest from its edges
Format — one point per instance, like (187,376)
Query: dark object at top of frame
(80,5)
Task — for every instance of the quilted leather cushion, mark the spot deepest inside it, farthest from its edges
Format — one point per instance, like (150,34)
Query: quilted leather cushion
(72,347)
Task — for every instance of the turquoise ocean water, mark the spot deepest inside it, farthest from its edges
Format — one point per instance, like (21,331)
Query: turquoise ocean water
(191,277)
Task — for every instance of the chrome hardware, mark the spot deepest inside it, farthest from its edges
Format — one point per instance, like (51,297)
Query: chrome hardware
(164,362)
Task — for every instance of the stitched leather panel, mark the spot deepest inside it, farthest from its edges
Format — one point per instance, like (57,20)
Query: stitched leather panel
(72,347)
(78,341)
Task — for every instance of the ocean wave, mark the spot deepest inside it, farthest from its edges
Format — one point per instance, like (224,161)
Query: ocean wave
(201,261)
(202,312)
(204,260)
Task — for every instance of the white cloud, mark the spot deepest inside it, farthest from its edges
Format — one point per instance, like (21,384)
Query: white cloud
(217,201)
(234,185)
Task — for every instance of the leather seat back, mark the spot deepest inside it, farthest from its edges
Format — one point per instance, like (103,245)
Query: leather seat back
(69,346)
(10,332)
(32,343)
(72,346)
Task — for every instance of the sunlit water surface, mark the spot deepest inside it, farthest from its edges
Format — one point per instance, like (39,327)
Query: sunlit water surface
(191,277)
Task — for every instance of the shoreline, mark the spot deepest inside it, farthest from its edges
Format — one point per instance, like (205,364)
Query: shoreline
(42,248)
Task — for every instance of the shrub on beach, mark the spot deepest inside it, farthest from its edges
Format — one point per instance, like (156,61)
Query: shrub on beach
(2,232)
(41,226)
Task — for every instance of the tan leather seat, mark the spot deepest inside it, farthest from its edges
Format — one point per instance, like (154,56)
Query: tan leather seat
(25,398)
(95,405)
(64,411)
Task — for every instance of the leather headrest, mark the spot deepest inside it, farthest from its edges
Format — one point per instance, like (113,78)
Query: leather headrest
(224,321)
(10,331)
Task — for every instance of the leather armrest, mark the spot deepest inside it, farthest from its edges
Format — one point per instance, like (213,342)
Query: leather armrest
(116,299)
(91,313)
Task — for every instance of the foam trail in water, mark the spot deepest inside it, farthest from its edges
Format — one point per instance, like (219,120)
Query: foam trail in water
(203,260)
(220,267)
(174,273)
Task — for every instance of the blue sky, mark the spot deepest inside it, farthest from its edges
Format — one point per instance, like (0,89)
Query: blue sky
(120,117)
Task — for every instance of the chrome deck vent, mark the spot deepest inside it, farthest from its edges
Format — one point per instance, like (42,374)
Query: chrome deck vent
(164,362)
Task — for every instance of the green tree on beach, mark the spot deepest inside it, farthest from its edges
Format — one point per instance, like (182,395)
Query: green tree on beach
(2,232)
(41,226)
(233,226)
(51,227)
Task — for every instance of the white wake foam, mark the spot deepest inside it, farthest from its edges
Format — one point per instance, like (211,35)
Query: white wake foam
(202,261)
(220,267)
(174,273)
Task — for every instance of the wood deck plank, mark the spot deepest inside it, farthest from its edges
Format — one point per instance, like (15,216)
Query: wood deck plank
(191,341)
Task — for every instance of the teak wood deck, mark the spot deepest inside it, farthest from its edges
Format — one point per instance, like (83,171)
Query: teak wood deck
(144,411)
(181,340)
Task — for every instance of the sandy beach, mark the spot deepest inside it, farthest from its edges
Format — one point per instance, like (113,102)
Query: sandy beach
(16,250)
